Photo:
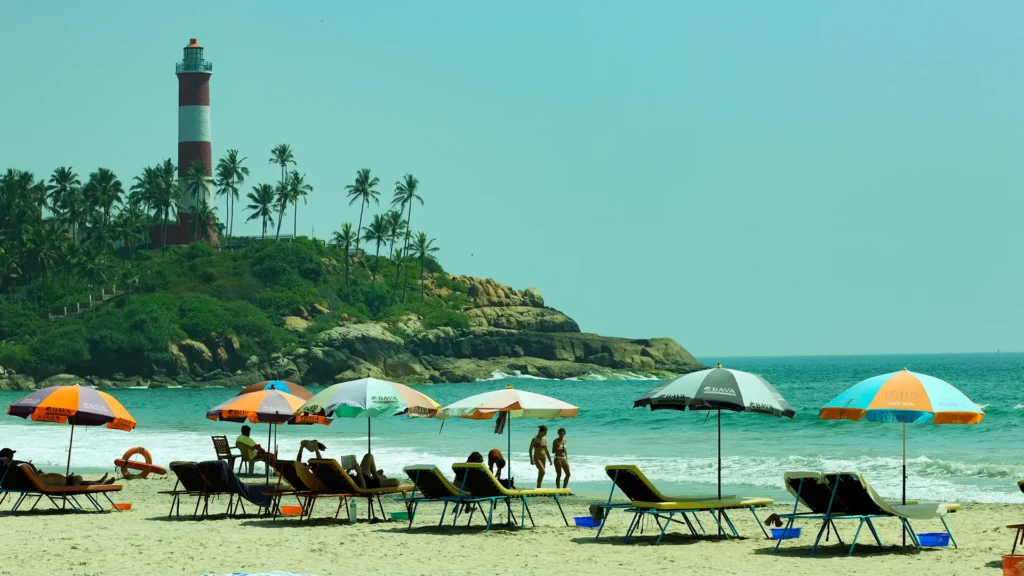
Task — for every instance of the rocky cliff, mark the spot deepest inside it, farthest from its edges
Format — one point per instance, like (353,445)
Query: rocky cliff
(511,332)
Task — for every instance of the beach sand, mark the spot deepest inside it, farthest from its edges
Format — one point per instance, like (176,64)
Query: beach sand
(144,541)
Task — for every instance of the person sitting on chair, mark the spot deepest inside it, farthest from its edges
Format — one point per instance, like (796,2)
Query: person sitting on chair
(251,451)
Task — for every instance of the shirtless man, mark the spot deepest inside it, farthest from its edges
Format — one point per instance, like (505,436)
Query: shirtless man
(561,460)
(539,453)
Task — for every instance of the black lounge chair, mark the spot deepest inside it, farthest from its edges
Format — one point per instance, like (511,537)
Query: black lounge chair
(188,483)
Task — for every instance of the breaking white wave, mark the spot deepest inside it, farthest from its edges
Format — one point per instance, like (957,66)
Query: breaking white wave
(597,376)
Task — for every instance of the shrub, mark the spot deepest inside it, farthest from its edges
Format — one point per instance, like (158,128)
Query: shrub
(60,350)
(278,262)
(17,357)
(201,315)
(449,318)
(18,322)
(130,339)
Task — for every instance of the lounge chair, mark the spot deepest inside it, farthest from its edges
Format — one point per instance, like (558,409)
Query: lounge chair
(331,473)
(481,483)
(326,481)
(647,500)
(220,479)
(22,478)
(430,485)
(188,483)
(224,451)
(847,496)
(292,478)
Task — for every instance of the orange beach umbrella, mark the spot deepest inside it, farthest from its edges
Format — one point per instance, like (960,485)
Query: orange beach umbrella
(73,405)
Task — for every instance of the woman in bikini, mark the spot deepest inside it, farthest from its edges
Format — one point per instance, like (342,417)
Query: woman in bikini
(561,460)
(539,454)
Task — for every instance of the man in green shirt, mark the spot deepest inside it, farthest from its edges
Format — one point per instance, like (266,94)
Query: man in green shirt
(251,451)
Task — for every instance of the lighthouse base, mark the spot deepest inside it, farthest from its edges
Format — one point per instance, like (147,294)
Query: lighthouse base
(182,232)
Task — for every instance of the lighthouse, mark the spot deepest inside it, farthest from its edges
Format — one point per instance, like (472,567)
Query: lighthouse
(194,115)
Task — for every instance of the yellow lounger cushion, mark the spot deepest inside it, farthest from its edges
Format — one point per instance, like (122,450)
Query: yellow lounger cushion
(697,505)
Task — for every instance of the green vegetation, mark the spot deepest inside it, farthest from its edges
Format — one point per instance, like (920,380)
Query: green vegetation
(62,241)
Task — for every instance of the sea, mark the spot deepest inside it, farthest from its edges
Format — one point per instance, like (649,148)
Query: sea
(678,450)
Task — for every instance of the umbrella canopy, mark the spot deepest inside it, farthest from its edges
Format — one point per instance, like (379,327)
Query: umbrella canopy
(513,404)
(718,389)
(281,385)
(516,403)
(906,397)
(263,407)
(369,398)
(76,406)
(903,397)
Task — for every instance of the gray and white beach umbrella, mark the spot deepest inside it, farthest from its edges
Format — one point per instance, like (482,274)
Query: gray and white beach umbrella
(718,389)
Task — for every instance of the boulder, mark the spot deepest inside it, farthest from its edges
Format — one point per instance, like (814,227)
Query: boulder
(63,380)
(178,364)
(369,342)
(523,318)
(199,357)
(532,297)
(295,323)
(320,309)
(14,381)
(404,366)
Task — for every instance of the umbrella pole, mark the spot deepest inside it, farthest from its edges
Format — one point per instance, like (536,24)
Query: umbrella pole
(904,500)
(720,469)
(67,469)
(266,453)
(368,451)
(508,424)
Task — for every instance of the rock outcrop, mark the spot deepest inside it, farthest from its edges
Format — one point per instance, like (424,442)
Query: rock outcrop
(511,331)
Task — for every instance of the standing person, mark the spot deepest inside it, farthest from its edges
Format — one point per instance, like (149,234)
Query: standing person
(495,459)
(561,459)
(539,454)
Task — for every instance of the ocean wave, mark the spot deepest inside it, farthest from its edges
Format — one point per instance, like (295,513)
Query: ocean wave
(596,376)
(949,480)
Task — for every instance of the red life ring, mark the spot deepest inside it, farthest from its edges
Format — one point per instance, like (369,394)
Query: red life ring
(144,468)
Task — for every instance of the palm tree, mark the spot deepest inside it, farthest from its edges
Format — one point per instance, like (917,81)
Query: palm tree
(68,254)
(99,232)
(395,226)
(61,183)
(75,209)
(401,259)
(162,193)
(206,218)
(406,193)
(297,188)
(421,248)
(197,183)
(344,239)
(282,156)
(262,200)
(92,266)
(283,197)
(363,189)
(10,265)
(103,191)
(377,232)
(129,224)
(230,175)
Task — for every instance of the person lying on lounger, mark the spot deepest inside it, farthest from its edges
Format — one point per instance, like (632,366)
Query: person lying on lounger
(54,479)
(366,475)
(313,446)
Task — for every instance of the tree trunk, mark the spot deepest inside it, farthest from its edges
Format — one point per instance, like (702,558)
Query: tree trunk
(346,264)
(264,236)
(376,263)
(280,217)
(163,244)
(422,288)
(295,218)
(359,229)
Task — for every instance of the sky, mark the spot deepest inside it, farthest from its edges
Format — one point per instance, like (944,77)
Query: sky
(749,178)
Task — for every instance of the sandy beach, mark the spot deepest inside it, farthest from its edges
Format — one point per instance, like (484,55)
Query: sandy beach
(144,541)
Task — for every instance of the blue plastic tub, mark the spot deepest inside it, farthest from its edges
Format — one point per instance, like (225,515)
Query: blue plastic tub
(785,533)
(586,522)
(934,539)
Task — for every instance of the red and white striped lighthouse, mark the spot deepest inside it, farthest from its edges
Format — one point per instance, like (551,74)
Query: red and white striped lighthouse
(194,115)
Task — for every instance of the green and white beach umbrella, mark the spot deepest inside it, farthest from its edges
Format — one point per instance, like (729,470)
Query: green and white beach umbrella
(369,398)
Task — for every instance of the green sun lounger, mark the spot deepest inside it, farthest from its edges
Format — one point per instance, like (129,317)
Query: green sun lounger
(484,487)
(646,500)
